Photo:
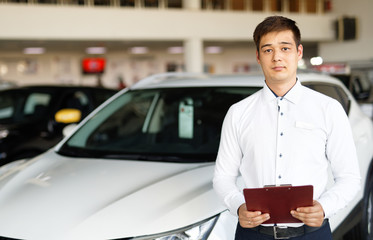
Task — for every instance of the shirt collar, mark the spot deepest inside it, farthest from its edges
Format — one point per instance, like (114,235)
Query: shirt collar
(293,95)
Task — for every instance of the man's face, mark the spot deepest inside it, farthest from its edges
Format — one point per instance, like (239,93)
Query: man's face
(278,56)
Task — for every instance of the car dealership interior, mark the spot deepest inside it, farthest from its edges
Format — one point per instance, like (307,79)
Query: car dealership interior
(53,41)
(85,145)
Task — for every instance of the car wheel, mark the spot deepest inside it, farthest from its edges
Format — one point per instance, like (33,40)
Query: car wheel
(367,220)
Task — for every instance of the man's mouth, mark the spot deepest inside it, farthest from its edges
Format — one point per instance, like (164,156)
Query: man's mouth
(278,68)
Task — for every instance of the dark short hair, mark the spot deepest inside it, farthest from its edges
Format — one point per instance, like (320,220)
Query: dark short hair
(275,24)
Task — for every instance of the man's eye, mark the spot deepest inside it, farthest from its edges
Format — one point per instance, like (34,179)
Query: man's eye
(267,50)
(286,49)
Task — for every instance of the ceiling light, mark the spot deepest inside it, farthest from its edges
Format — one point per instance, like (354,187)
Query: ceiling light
(139,50)
(175,50)
(34,50)
(316,61)
(302,64)
(95,50)
(3,69)
(213,50)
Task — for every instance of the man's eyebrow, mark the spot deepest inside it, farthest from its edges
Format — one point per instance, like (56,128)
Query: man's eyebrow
(287,43)
(266,45)
(270,44)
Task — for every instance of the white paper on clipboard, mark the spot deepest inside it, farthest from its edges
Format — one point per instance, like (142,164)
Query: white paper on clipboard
(186,116)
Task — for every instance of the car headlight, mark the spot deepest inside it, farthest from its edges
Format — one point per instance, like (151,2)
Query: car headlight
(198,231)
(4,133)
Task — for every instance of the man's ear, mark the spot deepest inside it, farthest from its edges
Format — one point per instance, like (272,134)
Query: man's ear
(300,52)
(257,57)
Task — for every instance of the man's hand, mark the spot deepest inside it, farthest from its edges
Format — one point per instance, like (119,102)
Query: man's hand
(312,216)
(250,219)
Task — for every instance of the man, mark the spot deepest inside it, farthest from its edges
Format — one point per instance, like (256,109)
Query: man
(285,134)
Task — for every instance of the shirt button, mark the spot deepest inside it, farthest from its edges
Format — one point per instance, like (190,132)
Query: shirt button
(279,176)
(281,134)
(282,113)
(280,155)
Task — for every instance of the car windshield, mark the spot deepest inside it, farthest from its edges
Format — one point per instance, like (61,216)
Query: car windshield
(176,125)
(18,106)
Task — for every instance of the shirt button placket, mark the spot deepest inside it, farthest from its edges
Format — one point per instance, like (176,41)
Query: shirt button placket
(279,159)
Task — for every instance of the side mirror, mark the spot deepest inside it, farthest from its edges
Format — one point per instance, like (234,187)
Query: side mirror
(66,131)
(68,115)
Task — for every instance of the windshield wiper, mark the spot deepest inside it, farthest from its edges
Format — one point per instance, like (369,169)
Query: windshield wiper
(93,153)
(142,157)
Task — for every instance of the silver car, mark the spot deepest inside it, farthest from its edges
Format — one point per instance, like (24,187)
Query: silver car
(141,166)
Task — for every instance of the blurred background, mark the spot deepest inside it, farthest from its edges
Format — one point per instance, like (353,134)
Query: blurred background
(114,43)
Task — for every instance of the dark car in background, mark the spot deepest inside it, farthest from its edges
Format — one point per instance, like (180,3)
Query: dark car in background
(32,117)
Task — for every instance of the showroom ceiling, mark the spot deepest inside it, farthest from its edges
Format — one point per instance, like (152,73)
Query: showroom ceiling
(17,46)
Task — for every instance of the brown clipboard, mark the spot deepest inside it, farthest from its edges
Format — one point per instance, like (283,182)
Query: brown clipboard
(279,201)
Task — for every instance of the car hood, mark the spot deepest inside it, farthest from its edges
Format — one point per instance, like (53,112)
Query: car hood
(55,197)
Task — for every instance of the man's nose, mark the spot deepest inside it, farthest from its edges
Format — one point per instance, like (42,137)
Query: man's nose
(276,56)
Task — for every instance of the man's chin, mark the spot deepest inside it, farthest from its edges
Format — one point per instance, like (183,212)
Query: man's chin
(279,77)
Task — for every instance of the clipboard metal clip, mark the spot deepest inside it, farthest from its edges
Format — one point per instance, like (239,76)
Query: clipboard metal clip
(281,185)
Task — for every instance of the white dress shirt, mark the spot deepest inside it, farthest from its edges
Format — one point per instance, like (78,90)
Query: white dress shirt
(273,140)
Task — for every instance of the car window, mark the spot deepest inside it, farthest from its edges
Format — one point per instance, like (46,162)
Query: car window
(358,82)
(36,103)
(177,123)
(7,106)
(332,91)
(19,106)
(76,99)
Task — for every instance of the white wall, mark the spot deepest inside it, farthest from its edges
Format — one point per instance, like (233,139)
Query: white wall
(355,50)
(109,23)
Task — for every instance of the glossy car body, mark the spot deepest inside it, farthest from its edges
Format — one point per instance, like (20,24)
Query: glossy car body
(141,165)
(27,116)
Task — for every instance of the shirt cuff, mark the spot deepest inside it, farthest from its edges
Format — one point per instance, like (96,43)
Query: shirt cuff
(326,208)
(235,203)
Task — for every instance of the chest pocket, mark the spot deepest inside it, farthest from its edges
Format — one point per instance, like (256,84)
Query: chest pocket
(310,136)
(304,125)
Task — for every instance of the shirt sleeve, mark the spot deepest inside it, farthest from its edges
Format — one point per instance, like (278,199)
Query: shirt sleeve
(341,153)
(228,164)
